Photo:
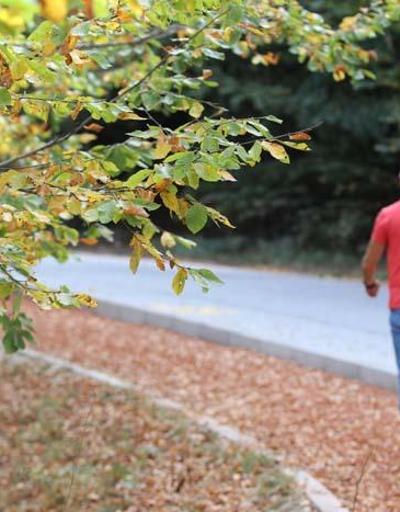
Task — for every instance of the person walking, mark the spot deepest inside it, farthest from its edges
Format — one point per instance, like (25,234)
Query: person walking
(385,236)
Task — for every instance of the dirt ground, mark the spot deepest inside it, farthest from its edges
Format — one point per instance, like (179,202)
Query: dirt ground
(72,444)
(345,433)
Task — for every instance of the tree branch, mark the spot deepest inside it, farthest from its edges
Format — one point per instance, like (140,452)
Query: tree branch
(155,34)
(6,164)
(305,130)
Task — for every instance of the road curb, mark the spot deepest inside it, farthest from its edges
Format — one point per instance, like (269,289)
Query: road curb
(319,496)
(133,314)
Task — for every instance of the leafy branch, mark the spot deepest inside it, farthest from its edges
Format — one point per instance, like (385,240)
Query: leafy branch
(7,164)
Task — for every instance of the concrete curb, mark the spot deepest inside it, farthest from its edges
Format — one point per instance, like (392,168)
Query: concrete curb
(132,314)
(319,496)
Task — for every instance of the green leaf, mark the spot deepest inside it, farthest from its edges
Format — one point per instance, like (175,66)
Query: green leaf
(301,146)
(47,31)
(204,278)
(5,96)
(123,156)
(213,54)
(255,151)
(206,172)
(108,211)
(209,275)
(196,218)
(6,289)
(38,109)
(138,177)
(101,8)
(274,119)
(9,344)
(185,242)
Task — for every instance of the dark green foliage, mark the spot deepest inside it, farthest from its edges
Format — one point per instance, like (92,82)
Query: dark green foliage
(327,198)
(18,331)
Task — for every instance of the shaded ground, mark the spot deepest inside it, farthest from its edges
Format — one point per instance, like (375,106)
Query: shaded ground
(71,444)
(345,433)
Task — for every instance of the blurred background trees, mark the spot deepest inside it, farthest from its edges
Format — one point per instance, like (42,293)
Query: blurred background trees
(325,201)
(316,213)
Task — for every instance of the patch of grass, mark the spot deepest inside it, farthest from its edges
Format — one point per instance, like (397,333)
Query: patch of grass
(69,444)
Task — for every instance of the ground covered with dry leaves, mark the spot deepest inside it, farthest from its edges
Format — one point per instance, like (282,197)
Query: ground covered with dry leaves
(345,433)
(67,443)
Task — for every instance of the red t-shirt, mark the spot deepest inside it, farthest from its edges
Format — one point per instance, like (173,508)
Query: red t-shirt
(387,232)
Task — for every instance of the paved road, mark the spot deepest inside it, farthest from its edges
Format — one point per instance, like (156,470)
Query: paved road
(324,316)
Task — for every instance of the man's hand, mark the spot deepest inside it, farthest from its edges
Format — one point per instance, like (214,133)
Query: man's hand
(372,288)
(370,261)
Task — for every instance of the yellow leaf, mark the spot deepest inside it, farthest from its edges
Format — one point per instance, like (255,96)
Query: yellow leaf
(160,264)
(136,255)
(167,240)
(348,23)
(178,283)
(227,176)
(339,75)
(161,151)
(173,203)
(10,19)
(196,110)
(54,10)
(18,68)
(170,201)
(149,247)
(130,116)
(207,73)
(74,206)
(86,300)
(228,34)
(276,150)
(79,58)
(135,7)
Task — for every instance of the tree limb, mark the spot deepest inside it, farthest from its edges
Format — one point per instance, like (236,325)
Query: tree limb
(155,34)
(7,164)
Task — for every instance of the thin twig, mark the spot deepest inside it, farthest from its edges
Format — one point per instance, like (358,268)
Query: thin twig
(58,140)
(33,166)
(359,480)
(305,130)
(155,34)
(60,100)
(12,278)
(284,135)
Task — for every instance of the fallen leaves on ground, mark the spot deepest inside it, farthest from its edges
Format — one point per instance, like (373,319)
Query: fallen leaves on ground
(68,443)
(345,433)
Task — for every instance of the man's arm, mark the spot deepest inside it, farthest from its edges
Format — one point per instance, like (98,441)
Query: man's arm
(372,256)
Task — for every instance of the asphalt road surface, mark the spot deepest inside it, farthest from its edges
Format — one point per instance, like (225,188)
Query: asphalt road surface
(321,315)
